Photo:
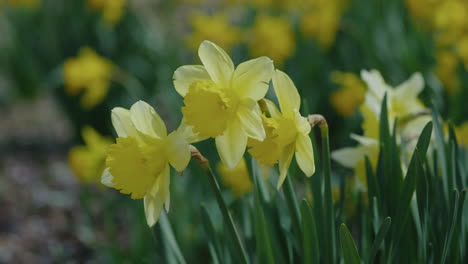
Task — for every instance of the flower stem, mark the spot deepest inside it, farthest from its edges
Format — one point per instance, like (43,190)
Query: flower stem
(232,230)
(329,216)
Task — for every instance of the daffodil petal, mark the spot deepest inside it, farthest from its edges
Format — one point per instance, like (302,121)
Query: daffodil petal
(216,61)
(411,88)
(178,152)
(107,179)
(231,145)
(284,163)
(122,122)
(274,112)
(251,78)
(305,154)
(146,120)
(286,91)
(251,121)
(157,197)
(184,76)
(186,132)
(348,157)
(153,208)
(375,82)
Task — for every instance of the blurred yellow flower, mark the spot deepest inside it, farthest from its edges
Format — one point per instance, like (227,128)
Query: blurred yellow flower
(221,102)
(272,37)
(423,9)
(351,94)
(321,21)
(112,10)
(88,73)
(216,28)
(138,164)
(237,179)
(462,134)
(88,161)
(287,132)
(450,21)
(446,69)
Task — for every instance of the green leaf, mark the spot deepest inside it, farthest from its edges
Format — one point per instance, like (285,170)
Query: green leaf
(214,245)
(293,207)
(310,242)
(169,237)
(348,248)
(379,239)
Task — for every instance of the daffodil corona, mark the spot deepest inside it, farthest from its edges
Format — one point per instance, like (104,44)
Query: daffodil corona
(138,164)
(287,132)
(221,102)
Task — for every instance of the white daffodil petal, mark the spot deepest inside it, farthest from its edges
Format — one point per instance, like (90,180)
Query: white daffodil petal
(231,145)
(216,61)
(251,121)
(153,208)
(274,112)
(178,152)
(375,82)
(146,120)
(251,78)
(286,91)
(348,157)
(411,88)
(305,155)
(122,122)
(184,76)
(107,179)
(284,163)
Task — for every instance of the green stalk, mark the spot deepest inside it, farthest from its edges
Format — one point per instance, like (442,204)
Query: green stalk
(329,215)
(227,217)
(293,206)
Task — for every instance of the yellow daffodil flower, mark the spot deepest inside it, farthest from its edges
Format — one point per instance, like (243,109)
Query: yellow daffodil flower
(216,28)
(221,102)
(138,164)
(287,132)
(112,10)
(237,179)
(263,38)
(351,94)
(88,73)
(462,134)
(446,69)
(88,161)
(321,20)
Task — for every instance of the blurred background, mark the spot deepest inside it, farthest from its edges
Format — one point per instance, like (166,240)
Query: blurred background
(65,64)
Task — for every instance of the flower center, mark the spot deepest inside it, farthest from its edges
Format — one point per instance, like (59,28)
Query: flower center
(208,108)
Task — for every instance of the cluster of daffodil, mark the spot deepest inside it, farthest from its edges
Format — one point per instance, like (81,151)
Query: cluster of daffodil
(319,20)
(403,106)
(221,102)
(449,22)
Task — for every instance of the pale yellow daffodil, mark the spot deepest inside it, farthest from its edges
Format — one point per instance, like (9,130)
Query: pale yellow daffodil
(139,163)
(287,132)
(221,102)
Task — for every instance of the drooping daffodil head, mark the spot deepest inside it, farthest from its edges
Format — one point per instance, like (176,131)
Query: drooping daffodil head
(139,162)
(287,132)
(220,101)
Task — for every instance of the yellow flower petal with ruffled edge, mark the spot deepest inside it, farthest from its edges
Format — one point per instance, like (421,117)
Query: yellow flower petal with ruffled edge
(207,109)
(132,168)
(267,152)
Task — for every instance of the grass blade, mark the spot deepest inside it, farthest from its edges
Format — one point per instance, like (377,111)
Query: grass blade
(348,248)
(310,242)
(379,239)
